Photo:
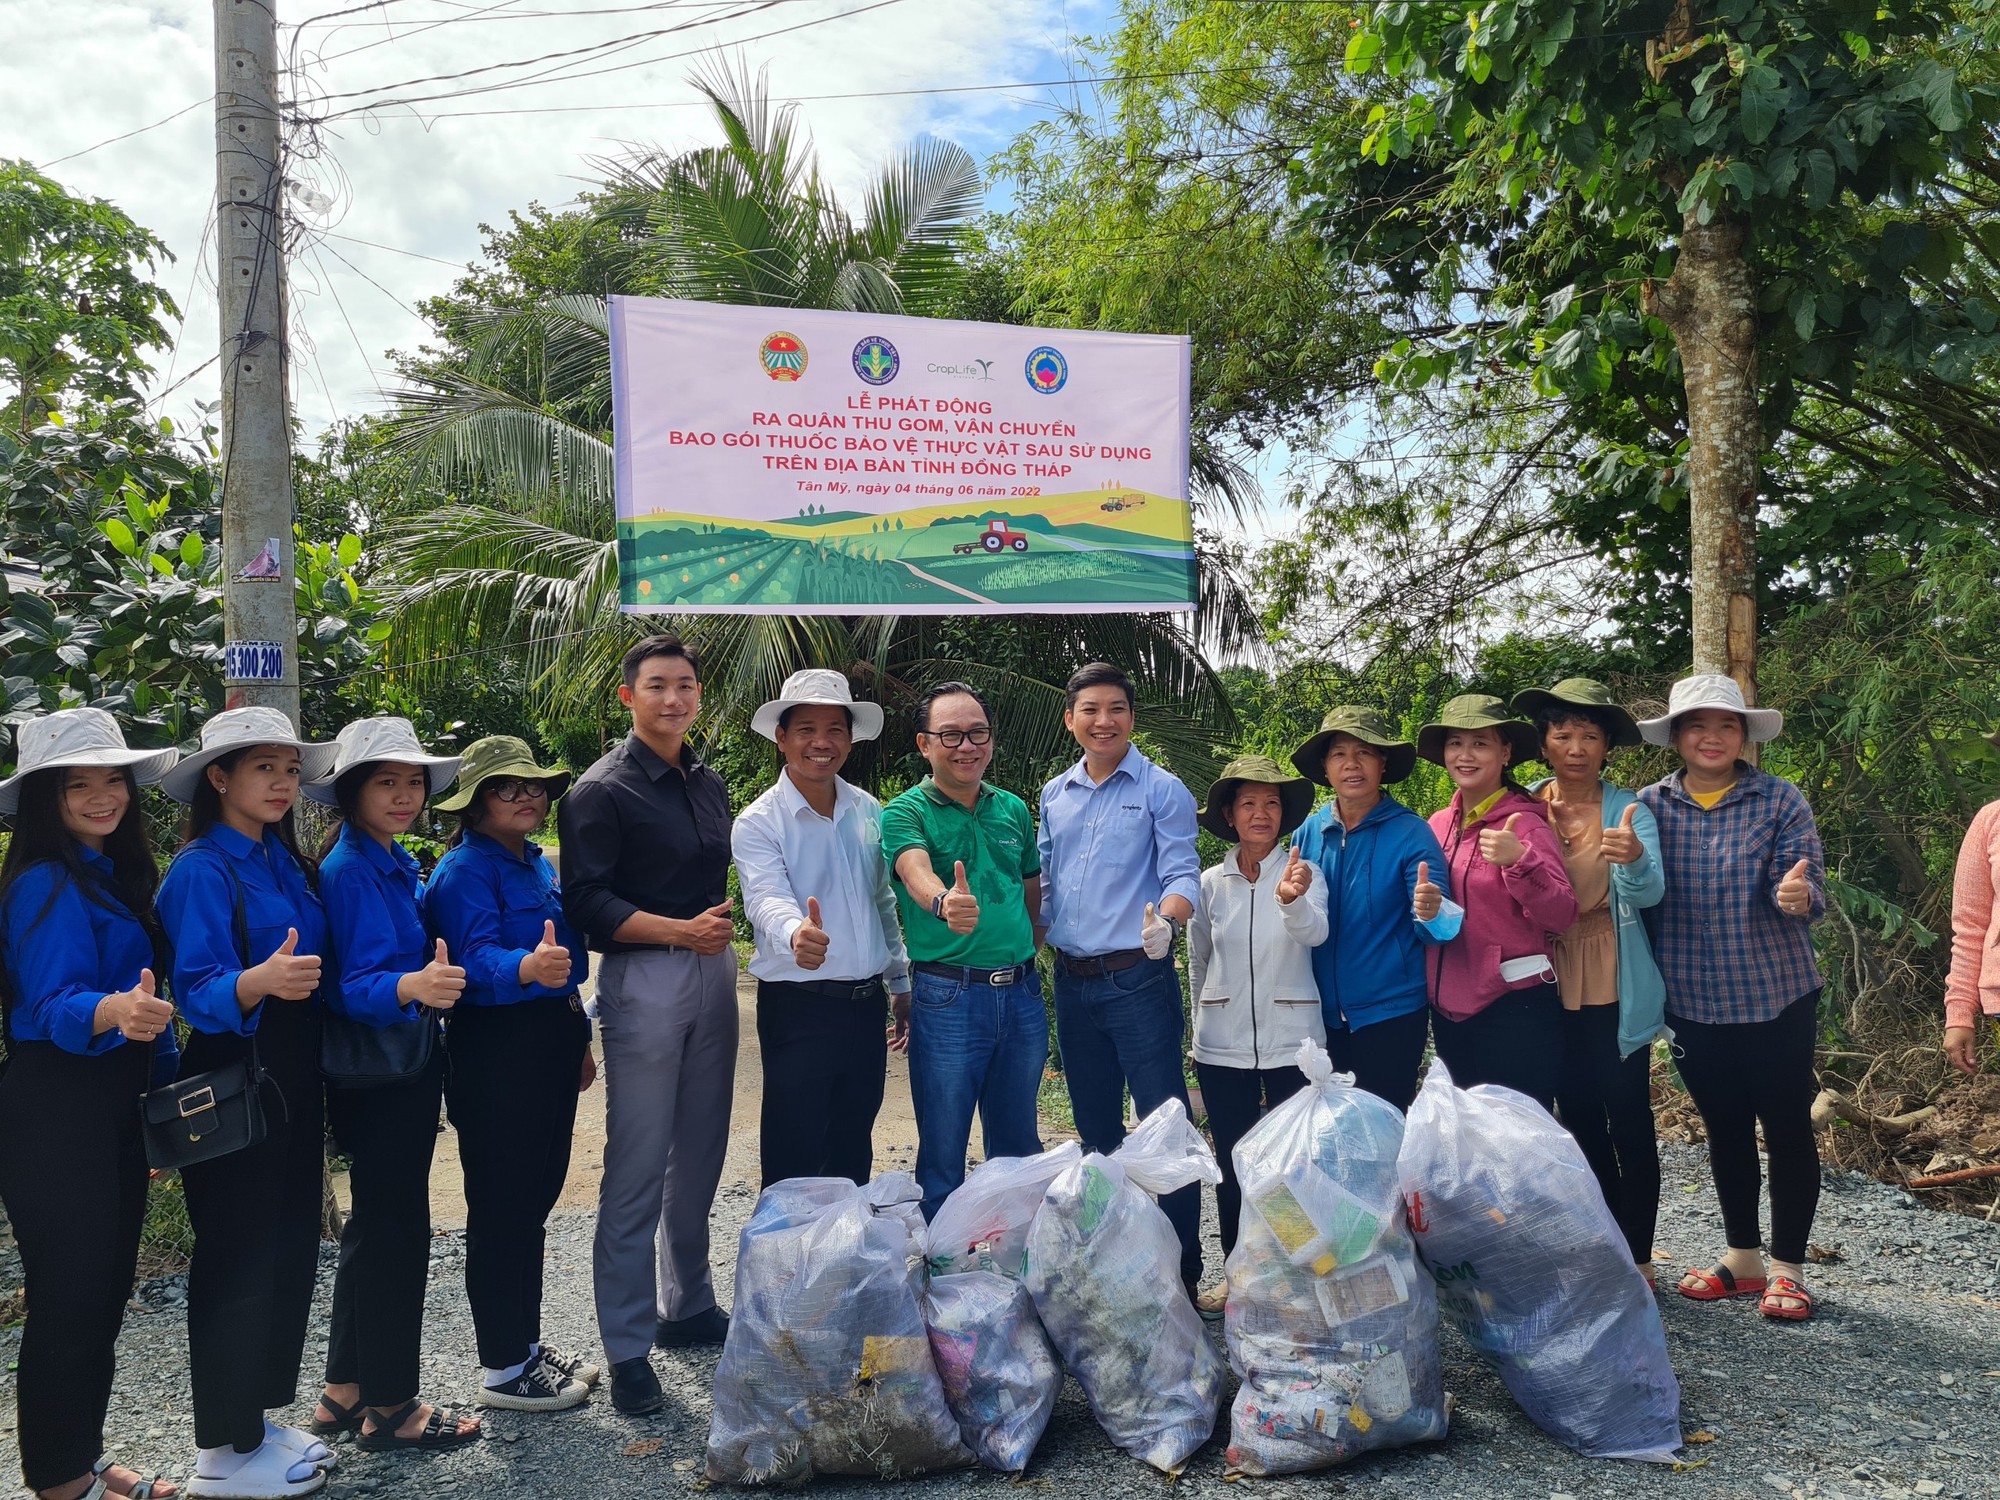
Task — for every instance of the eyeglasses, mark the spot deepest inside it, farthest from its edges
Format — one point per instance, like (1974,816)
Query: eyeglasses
(514,789)
(951,739)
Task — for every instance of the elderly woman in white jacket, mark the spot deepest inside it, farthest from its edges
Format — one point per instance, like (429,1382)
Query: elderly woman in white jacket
(1250,943)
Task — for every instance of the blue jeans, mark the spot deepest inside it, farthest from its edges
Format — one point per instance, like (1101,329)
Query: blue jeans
(974,1045)
(1121,1030)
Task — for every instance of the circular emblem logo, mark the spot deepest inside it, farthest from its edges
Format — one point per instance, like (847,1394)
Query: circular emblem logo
(783,356)
(1047,370)
(876,361)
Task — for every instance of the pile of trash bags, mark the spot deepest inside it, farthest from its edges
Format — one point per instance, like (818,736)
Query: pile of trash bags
(1104,1269)
(1331,1322)
(828,1367)
(1531,1266)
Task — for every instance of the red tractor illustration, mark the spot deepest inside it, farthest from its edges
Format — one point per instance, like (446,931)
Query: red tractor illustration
(998,536)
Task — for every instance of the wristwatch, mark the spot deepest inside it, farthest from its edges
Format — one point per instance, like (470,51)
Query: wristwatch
(1179,927)
(937,903)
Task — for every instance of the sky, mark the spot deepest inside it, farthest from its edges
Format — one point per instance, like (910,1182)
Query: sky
(409,184)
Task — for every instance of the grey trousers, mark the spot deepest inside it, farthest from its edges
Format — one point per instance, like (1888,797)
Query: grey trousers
(668,1025)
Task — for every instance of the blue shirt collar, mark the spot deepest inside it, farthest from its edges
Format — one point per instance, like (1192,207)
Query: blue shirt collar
(97,860)
(229,841)
(1132,765)
(391,858)
(494,849)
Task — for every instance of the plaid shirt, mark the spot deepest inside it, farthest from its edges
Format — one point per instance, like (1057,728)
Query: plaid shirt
(1727,953)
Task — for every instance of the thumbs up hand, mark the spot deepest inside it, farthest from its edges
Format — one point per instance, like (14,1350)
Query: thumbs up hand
(961,907)
(288,974)
(810,942)
(1428,899)
(548,965)
(1296,880)
(437,984)
(712,931)
(1795,890)
(1502,847)
(138,1013)
(1156,933)
(1620,844)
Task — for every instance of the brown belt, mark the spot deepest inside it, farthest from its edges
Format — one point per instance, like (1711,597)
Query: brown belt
(1101,964)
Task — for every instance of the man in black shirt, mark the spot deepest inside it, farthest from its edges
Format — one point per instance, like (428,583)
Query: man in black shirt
(645,868)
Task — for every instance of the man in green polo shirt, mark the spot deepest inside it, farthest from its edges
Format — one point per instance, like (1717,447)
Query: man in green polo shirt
(968,879)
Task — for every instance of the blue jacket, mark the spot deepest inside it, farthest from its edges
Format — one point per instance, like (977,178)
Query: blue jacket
(489,906)
(374,910)
(198,909)
(1371,966)
(1642,993)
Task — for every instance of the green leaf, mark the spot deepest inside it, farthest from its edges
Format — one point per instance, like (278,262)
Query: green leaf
(1943,98)
(1361,50)
(160,565)
(192,550)
(1763,101)
(350,550)
(1819,178)
(120,535)
(1805,308)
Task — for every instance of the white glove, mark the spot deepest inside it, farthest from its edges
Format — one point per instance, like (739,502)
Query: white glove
(1156,934)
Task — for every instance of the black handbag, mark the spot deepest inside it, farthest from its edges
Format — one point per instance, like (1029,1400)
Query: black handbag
(356,1055)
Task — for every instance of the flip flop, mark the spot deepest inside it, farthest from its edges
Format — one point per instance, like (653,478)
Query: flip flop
(1714,1285)
(1784,1286)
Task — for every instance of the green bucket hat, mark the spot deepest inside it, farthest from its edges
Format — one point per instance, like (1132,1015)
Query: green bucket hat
(499,755)
(1477,711)
(1581,692)
(1295,795)
(1369,725)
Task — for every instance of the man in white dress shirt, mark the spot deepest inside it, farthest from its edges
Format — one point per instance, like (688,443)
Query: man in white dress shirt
(816,890)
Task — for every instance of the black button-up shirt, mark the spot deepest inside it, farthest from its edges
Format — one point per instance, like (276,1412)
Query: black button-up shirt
(639,835)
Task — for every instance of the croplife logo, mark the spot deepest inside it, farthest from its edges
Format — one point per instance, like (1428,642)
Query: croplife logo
(971,369)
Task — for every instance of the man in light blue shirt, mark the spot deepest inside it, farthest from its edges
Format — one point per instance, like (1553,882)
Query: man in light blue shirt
(1119,881)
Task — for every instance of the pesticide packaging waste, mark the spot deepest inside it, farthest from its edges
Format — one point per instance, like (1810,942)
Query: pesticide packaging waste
(1331,1321)
(983,1225)
(1533,1269)
(827,1368)
(1104,1270)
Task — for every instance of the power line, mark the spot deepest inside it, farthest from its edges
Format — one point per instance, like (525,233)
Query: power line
(393,250)
(114,140)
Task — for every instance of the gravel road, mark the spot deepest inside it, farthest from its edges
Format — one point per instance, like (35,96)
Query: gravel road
(1893,1391)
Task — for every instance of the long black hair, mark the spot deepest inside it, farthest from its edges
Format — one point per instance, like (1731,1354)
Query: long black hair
(347,794)
(205,811)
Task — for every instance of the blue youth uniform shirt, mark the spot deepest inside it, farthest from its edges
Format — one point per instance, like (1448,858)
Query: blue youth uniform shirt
(198,905)
(374,894)
(489,906)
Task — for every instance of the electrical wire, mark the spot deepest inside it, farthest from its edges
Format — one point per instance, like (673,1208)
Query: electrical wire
(114,140)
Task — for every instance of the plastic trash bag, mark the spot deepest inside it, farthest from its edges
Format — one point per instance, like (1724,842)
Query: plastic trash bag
(1104,1270)
(1001,1375)
(1533,1269)
(1331,1321)
(827,1368)
(983,1224)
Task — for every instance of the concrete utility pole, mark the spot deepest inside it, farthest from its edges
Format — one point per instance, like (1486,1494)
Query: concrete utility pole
(260,623)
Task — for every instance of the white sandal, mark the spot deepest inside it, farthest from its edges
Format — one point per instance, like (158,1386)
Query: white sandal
(313,1450)
(265,1475)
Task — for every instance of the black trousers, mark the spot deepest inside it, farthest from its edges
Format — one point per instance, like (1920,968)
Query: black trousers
(73,1176)
(1385,1056)
(1746,1074)
(256,1219)
(1515,1042)
(511,1093)
(825,1060)
(1236,1099)
(1606,1102)
(390,1133)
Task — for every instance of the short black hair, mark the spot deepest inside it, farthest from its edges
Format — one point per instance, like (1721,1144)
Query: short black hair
(1097,674)
(785,718)
(1575,713)
(659,645)
(948,690)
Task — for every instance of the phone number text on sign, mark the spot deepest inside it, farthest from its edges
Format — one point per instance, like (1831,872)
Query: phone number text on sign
(253,661)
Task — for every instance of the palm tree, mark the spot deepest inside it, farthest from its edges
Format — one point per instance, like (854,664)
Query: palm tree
(522,421)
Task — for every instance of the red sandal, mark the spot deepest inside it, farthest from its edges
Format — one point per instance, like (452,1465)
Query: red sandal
(1785,1287)
(1716,1284)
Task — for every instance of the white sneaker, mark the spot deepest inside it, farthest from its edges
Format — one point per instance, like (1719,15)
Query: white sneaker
(570,1365)
(536,1388)
(267,1474)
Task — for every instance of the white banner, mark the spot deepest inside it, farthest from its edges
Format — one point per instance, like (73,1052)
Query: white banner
(805,462)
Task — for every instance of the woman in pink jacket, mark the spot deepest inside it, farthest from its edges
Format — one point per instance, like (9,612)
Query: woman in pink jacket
(1974,984)
(1496,1016)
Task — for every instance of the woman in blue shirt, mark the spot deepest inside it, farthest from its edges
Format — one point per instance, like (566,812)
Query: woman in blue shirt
(390,982)
(87,1031)
(248,932)
(520,1054)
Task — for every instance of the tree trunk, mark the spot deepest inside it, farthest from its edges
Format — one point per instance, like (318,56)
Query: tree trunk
(1710,304)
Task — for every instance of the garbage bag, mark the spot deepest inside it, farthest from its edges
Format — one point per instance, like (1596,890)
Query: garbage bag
(1001,1375)
(1533,1269)
(827,1368)
(1332,1321)
(983,1224)
(1104,1270)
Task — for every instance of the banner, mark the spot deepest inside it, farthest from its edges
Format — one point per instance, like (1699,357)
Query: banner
(803,462)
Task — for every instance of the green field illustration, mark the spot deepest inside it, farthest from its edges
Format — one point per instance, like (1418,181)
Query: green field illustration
(1111,548)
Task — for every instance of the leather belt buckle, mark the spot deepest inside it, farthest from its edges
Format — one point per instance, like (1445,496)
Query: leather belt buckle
(1001,978)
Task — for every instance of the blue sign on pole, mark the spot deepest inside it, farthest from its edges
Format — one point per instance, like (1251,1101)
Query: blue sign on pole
(253,661)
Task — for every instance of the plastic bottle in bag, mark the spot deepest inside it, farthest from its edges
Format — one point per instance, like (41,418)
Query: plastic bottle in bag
(983,1224)
(1331,1321)
(827,1368)
(1531,1266)
(1104,1270)
(1001,1375)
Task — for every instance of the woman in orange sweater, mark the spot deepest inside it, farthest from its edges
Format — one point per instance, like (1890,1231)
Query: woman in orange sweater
(1974,985)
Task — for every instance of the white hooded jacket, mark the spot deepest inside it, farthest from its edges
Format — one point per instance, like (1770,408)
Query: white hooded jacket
(1250,965)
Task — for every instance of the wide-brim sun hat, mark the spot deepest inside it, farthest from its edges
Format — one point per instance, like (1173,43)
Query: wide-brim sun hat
(366,741)
(1295,795)
(823,689)
(78,737)
(1582,692)
(500,755)
(1712,690)
(1478,711)
(1369,725)
(243,729)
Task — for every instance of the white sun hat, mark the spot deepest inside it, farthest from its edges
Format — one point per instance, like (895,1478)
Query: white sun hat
(818,686)
(1711,690)
(386,738)
(78,737)
(240,729)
